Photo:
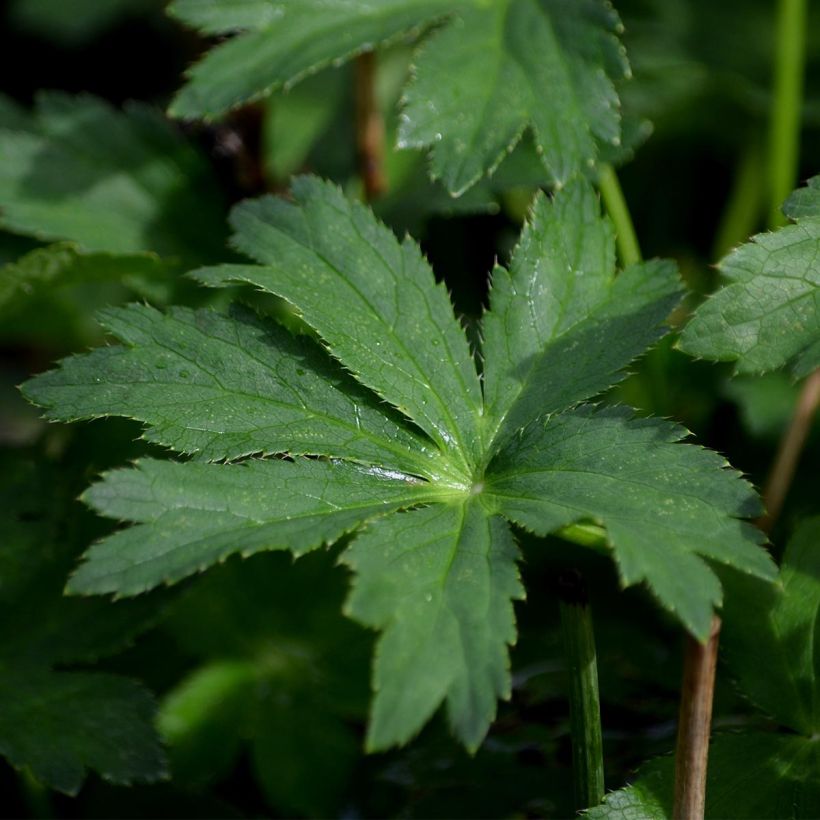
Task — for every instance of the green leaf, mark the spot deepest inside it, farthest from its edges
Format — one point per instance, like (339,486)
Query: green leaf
(768,314)
(111,181)
(439,582)
(224,387)
(548,65)
(42,535)
(769,635)
(281,42)
(342,270)
(513,64)
(194,515)
(64,264)
(665,506)
(751,775)
(561,327)
(59,724)
(804,203)
(48,295)
(435,559)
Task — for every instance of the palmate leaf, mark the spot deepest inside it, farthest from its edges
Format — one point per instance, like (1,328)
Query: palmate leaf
(424,480)
(547,65)
(768,314)
(769,634)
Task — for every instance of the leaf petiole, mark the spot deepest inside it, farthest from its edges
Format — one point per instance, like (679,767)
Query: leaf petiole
(628,248)
(585,707)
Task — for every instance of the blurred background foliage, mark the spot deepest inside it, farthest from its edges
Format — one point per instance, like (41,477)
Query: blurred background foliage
(261,682)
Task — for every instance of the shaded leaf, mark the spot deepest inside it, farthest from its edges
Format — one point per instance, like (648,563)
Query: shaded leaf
(59,724)
(111,181)
(751,776)
(769,635)
(513,64)
(548,65)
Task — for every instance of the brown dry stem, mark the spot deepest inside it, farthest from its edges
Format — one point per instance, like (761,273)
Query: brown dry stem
(370,136)
(788,453)
(694,724)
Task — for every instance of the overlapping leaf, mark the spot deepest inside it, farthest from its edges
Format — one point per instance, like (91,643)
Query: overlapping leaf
(547,65)
(48,294)
(768,315)
(275,677)
(425,478)
(769,633)
(110,181)
(384,297)
(54,722)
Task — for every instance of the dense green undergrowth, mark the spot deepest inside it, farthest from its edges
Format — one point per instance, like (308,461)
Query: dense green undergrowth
(288,532)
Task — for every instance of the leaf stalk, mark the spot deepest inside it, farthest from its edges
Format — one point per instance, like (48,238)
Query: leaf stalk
(694,725)
(789,450)
(784,127)
(585,707)
(615,203)
(370,135)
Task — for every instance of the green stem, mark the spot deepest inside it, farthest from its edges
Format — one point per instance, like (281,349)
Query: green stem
(585,708)
(784,140)
(654,377)
(745,204)
(616,207)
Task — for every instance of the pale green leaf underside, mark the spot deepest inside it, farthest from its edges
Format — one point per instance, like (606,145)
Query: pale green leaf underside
(372,299)
(770,636)
(281,41)
(561,326)
(665,506)
(768,314)
(439,582)
(59,724)
(751,775)
(111,181)
(513,64)
(224,387)
(194,515)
